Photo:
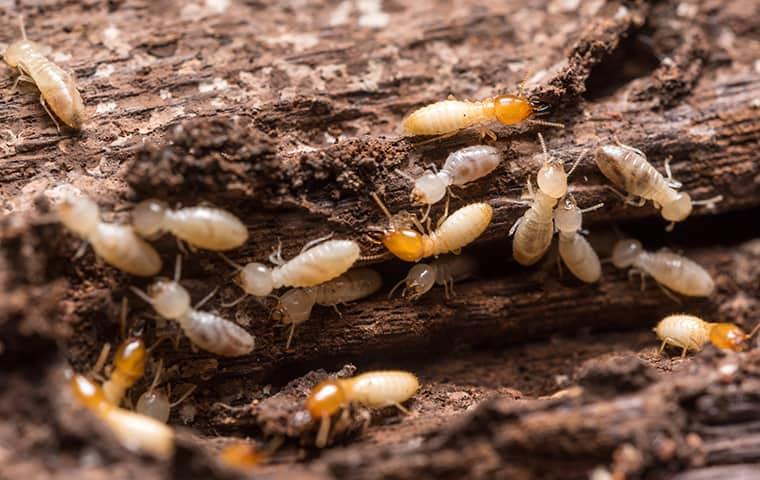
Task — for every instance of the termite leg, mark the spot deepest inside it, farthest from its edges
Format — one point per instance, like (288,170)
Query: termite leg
(206,299)
(22,77)
(514,226)
(177,268)
(672,182)
(628,147)
(316,241)
(183,397)
(337,310)
(427,212)
(667,292)
(487,132)
(437,138)
(445,214)
(50,114)
(683,352)
(235,302)
(290,335)
(101,361)
(123,317)
(80,251)
(627,198)
(663,345)
(402,408)
(276,256)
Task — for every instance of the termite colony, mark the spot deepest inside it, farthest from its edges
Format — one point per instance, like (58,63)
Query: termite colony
(321,274)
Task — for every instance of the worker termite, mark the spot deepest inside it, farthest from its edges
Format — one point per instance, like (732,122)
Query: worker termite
(295,305)
(317,263)
(57,87)
(154,402)
(116,244)
(629,169)
(533,231)
(574,250)
(135,431)
(441,271)
(128,367)
(204,227)
(371,389)
(689,332)
(456,231)
(206,330)
(671,270)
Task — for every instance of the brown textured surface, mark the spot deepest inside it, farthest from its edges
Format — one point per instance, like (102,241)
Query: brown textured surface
(288,116)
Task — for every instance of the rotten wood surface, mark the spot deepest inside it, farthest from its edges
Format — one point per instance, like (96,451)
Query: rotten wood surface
(288,116)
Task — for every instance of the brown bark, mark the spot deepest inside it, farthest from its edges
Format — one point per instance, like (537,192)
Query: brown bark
(296,122)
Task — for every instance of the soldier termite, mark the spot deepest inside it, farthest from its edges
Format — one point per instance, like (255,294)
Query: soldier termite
(116,244)
(295,305)
(441,271)
(689,332)
(317,263)
(456,231)
(135,431)
(628,168)
(574,250)
(673,271)
(154,402)
(206,330)
(204,227)
(533,231)
(128,367)
(371,389)
(57,87)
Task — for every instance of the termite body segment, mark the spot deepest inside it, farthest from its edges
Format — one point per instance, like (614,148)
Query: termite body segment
(57,87)
(116,244)
(377,389)
(674,271)
(574,250)
(461,167)
(135,431)
(312,267)
(441,271)
(204,227)
(295,305)
(689,332)
(128,367)
(450,116)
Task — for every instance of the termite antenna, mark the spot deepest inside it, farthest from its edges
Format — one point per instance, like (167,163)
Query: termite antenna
(382,206)
(21,25)
(183,397)
(178,268)
(404,174)
(230,262)
(545,123)
(398,284)
(592,208)
(709,202)
(141,294)
(754,331)
(577,162)
(543,147)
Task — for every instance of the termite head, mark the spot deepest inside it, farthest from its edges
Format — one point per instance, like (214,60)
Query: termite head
(18,50)
(428,189)
(419,281)
(398,237)
(551,178)
(170,299)
(625,252)
(154,403)
(728,336)
(567,216)
(512,109)
(129,359)
(79,214)
(148,218)
(89,393)
(256,279)
(326,398)
(679,209)
(294,306)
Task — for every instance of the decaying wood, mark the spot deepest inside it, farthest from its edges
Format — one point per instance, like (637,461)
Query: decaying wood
(288,116)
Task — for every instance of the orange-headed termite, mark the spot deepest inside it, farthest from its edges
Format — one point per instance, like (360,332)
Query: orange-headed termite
(135,431)
(372,389)
(294,307)
(441,271)
(57,87)
(689,332)
(574,250)
(116,244)
(671,270)
(204,227)
(128,367)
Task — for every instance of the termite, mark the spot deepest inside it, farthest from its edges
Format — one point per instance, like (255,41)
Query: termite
(574,250)
(154,402)
(441,271)
(378,389)
(128,367)
(456,231)
(533,231)
(116,244)
(674,271)
(689,332)
(136,432)
(206,330)
(317,263)
(294,307)
(242,456)
(204,227)
(57,87)
(628,168)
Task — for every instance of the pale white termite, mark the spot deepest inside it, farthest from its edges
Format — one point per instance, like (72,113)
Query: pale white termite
(57,87)
(671,270)
(533,231)
(461,167)
(456,231)
(116,244)
(135,431)
(154,402)
(378,389)
(294,307)
(441,271)
(314,265)
(203,227)
(574,250)
(689,332)
(628,168)
(206,330)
